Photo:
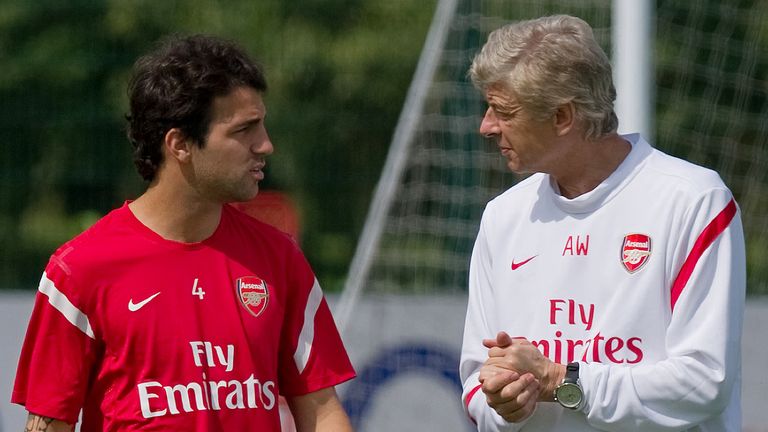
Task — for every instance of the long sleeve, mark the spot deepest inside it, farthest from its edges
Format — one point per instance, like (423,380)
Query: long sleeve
(476,328)
(700,376)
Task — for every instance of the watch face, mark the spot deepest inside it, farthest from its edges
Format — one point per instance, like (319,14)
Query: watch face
(569,395)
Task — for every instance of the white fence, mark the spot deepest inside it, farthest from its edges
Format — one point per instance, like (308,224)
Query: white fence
(425,397)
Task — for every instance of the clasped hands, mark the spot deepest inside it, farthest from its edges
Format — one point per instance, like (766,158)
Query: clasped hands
(516,376)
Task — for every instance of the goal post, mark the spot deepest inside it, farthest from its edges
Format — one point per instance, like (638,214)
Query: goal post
(396,159)
(632,55)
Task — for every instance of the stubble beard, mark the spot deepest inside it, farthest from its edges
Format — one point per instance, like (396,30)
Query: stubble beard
(232,190)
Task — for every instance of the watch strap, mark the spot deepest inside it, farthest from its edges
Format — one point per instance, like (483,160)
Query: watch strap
(572,373)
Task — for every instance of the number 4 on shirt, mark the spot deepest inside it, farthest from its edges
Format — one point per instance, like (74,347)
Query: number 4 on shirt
(197,290)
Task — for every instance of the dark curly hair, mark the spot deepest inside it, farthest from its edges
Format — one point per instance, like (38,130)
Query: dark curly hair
(174,87)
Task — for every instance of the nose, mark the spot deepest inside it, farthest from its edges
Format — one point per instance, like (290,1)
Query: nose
(263,145)
(489,127)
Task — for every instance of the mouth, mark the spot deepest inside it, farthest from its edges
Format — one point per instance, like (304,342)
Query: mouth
(257,172)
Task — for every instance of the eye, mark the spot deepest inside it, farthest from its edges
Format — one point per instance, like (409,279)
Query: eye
(245,127)
(506,113)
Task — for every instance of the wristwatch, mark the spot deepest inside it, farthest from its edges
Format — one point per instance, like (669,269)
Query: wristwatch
(569,393)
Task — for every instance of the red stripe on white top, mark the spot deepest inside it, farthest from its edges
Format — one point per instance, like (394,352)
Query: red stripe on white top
(706,238)
(469,398)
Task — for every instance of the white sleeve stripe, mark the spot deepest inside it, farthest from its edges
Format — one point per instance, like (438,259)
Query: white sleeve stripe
(307,335)
(61,303)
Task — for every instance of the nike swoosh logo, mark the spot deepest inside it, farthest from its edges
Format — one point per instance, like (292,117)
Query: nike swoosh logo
(516,266)
(133,307)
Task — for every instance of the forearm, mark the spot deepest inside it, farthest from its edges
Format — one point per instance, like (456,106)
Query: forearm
(697,381)
(333,421)
(482,414)
(320,411)
(37,423)
(671,395)
(487,420)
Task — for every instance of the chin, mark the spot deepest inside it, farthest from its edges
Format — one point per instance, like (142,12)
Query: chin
(253,194)
(515,167)
(243,195)
(519,170)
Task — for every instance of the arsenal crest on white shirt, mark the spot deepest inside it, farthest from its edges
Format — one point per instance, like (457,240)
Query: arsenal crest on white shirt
(635,251)
(253,294)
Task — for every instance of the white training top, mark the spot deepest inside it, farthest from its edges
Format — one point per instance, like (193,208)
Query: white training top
(641,280)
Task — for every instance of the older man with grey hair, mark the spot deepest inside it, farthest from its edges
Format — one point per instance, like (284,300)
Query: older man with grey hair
(606,290)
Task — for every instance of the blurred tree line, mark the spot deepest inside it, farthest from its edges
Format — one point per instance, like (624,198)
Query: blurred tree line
(338,72)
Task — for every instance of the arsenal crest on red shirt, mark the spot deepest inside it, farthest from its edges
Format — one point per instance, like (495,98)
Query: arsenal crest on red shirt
(253,294)
(635,251)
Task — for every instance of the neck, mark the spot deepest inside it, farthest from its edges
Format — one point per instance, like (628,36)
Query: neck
(176,214)
(589,163)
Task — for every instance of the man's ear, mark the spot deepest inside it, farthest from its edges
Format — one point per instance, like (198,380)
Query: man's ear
(564,119)
(177,144)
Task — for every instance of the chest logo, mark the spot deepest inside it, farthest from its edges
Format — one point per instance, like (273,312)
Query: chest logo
(517,265)
(635,251)
(253,294)
(133,307)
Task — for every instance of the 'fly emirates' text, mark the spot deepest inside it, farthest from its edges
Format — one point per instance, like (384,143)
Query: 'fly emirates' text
(159,400)
(598,349)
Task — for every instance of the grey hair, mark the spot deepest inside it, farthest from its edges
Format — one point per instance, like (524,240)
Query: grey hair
(548,62)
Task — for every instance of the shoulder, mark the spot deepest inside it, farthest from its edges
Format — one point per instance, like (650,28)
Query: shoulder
(243,227)
(514,198)
(686,192)
(261,242)
(683,175)
(96,243)
(77,266)
(513,205)
(239,218)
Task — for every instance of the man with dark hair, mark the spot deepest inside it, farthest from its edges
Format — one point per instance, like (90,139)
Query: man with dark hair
(177,311)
